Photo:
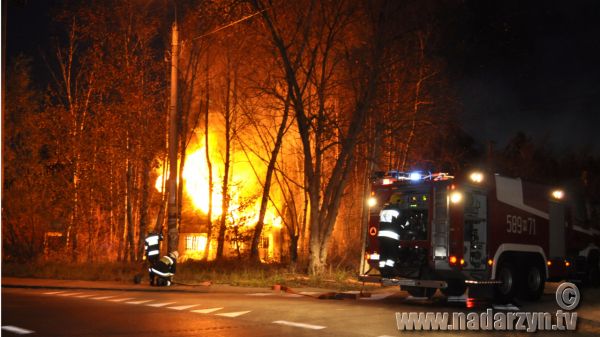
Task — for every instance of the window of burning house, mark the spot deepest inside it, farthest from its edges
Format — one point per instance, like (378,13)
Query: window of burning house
(195,242)
(264,242)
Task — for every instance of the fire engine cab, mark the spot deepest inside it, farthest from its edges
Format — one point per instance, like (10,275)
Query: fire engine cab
(479,231)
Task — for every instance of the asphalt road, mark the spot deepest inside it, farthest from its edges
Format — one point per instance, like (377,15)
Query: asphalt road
(89,312)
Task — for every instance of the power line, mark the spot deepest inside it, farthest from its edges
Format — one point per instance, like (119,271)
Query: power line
(230,24)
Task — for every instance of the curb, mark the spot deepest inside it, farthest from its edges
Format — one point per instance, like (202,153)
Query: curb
(158,289)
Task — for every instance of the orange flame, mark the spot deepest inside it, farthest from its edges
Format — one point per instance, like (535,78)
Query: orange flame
(243,185)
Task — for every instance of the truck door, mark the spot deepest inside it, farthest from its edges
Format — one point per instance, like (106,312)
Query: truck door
(475,230)
(439,227)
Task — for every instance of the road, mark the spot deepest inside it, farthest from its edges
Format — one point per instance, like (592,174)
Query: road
(92,312)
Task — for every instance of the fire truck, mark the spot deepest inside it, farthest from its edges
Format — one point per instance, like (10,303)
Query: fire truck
(490,234)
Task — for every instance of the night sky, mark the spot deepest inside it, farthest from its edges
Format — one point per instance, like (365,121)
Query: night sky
(530,66)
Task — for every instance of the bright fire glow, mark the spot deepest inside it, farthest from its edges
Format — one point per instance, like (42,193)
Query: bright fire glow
(244,187)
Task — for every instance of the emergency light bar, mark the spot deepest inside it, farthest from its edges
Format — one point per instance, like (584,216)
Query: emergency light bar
(393,176)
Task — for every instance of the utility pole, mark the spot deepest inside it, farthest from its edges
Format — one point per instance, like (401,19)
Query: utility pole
(172,190)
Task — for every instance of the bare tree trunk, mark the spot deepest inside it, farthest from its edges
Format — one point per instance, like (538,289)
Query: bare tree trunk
(209,167)
(417,102)
(267,185)
(226,164)
(129,207)
(144,205)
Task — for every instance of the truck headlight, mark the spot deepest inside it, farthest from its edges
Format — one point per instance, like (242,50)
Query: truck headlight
(456,197)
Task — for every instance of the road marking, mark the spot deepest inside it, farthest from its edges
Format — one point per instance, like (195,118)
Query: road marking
(68,294)
(102,297)
(300,325)
(233,314)
(183,307)
(416,298)
(85,296)
(292,295)
(509,306)
(309,293)
(260,294)
(158,305)
(54,293)
(121,299)
(376,297)
(139,302)
(17,330)
(206,311)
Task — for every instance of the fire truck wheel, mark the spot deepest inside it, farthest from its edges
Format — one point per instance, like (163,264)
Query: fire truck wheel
(507,290)
(534,282)
(454,288)
(420,292)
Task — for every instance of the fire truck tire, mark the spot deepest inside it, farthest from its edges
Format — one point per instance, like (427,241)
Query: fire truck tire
(507,290)
(420,291)
(533,283)
(454,288)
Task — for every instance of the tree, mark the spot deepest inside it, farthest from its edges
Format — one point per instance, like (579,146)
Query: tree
(310,53)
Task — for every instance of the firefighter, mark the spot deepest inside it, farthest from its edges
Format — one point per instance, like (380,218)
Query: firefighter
(389,236)
(152,249)
(164,269)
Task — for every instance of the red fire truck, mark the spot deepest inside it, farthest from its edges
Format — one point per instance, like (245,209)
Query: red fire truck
(482,232)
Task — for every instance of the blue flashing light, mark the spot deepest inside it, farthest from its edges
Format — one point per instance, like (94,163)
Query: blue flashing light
(414,176)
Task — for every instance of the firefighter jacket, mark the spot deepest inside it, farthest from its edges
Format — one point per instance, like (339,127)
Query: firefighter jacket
(165,267)
(389,235)
(152,245)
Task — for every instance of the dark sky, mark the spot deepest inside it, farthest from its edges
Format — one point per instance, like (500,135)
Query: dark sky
(531,66)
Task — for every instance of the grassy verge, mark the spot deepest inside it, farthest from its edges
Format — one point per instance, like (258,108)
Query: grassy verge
(232,272)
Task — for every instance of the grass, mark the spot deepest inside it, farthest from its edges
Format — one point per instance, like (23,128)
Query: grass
(232,272)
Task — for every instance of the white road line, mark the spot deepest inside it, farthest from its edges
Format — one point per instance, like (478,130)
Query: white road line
(506,307)
(300,325)
(376,297)
(233,314)
(102,297)
(85,296)
(206,311)
(415,298)
(158,305)
(310,293)
(121,299)
(69,294)
(17,330)
(139,302)
(183,307)
(260,294)
(54,292)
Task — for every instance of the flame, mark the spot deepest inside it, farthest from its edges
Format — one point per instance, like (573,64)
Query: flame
(243,185)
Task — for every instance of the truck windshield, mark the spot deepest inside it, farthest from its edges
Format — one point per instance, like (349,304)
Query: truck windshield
(412,224)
